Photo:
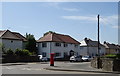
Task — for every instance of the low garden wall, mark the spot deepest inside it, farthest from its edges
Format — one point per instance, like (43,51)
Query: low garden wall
(12,59)
(107,64)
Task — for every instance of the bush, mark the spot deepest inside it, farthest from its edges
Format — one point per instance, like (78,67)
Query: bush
(10,52)
(26,52)
(20,52)
(118,56)
(110,56)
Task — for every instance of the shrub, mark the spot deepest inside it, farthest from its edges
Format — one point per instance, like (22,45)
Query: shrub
(26,52)
(10,52)
(118,56)
(110,56)
(115,56)
(20,52)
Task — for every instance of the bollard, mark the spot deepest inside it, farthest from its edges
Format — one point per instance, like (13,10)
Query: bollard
(51,59)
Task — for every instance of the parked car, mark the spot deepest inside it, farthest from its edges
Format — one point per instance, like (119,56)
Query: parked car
(86,58)
(43,59)
(75,59)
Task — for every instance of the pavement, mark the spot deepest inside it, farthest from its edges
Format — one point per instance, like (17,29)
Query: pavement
(77,67)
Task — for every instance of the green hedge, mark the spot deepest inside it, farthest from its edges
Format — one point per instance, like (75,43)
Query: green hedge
(10,52)
(20,52)
(112,56)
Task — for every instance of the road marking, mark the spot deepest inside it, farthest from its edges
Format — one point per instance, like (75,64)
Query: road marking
(31,69)
(8,68)
(31,63)
(26,69)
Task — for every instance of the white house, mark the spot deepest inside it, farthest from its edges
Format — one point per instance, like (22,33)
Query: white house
(12,40)
(111,48)
(90,47)
(61,45)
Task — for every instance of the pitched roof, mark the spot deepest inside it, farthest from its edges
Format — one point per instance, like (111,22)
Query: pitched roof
(55,37)
(6,34)
(111,46)
(20,36)
(91,43)
(2,32)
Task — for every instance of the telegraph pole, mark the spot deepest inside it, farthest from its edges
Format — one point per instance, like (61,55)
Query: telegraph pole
(98,36)
(98,59)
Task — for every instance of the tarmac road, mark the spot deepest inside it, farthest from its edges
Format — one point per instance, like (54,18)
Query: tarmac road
(37,69)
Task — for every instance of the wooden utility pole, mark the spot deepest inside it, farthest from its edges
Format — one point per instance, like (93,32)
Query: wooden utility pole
(98,37)
(98,59)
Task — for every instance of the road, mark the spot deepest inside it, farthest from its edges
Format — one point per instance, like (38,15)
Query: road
(38,68)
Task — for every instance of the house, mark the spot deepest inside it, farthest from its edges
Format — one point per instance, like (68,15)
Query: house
(61,45)
(90,48)
(12,40)
(111,48)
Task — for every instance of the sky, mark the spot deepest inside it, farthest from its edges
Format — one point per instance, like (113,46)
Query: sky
(77,19)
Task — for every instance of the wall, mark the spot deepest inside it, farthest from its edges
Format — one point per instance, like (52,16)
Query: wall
(111,51)
(44,49)
(63,49)
(13,45)
(107,64)
(92,51)
(55,49)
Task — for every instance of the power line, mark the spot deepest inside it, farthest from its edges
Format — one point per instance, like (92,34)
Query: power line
(106,21)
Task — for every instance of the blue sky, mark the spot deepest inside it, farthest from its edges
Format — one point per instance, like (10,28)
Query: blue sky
(77,19)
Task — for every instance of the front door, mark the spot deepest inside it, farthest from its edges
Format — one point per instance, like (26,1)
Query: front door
(71,53)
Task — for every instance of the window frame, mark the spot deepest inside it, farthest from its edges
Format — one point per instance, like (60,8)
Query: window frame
(65,44)
(57,44)
(44,44)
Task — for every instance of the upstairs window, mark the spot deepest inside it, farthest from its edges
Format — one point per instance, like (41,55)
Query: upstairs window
(44,44)
(65,44)
(76,45)
(57,44)
(11,41)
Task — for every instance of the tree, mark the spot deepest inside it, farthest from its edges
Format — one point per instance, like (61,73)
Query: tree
(31,43)
(48,32)
(2,48)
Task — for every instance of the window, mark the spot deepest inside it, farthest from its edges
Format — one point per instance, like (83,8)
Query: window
(65,44)
(11,41)
(44,44)
(57,54)
(81,48)
(65,54)
(44,54)
(57,44)
(76,45)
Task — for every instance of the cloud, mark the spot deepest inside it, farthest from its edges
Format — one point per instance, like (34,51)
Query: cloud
(85,18)
(106,20)
(110,21)
(70,9)
(58,5)
(116,27)
(51,4)
(112,18)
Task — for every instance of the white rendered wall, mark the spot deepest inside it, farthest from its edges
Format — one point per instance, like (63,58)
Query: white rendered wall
(91,50)
(57,49)
(12,45)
